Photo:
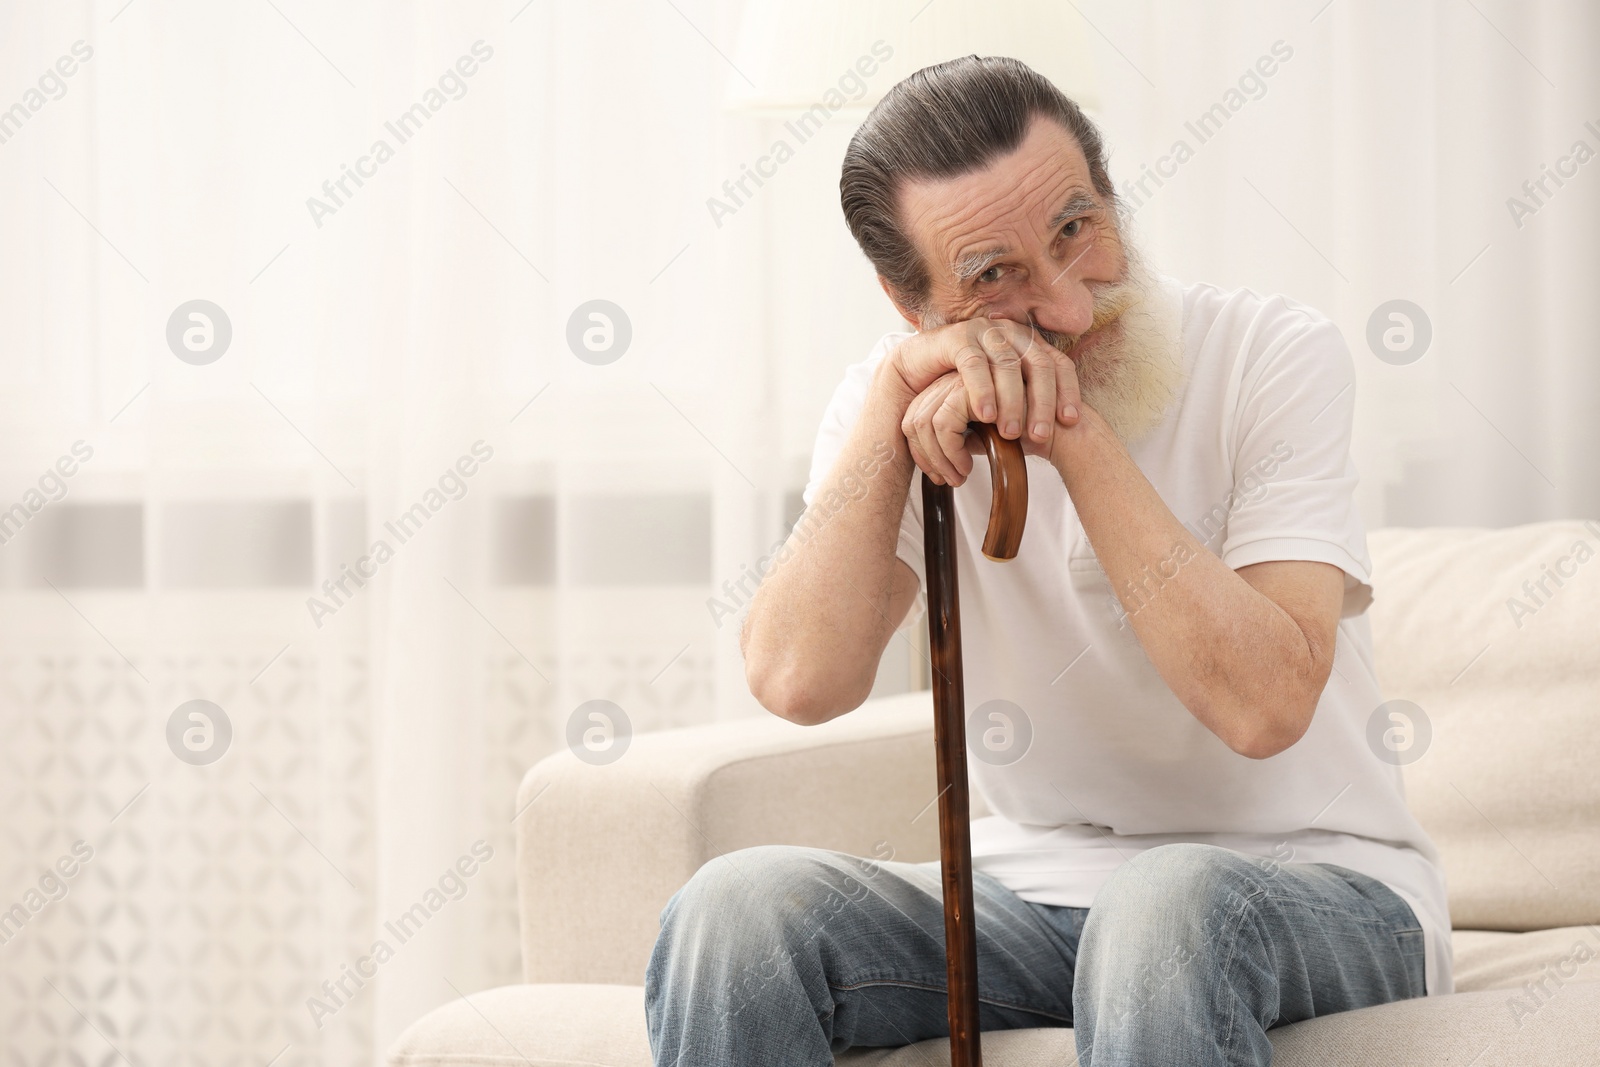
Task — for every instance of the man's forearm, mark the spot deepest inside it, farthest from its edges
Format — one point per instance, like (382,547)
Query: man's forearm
(827,607)
(1234,658)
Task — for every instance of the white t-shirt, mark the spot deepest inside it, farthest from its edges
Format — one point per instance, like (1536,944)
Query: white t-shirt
(1078,746)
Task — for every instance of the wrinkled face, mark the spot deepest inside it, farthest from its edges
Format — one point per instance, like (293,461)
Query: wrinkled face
(1027,238)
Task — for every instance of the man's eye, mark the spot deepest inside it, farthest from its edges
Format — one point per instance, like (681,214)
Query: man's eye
(1072,228)
(990,275)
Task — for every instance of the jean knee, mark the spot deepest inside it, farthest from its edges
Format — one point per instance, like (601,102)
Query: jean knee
(1164,909)
(1181,881)
(745,924)
(745,899)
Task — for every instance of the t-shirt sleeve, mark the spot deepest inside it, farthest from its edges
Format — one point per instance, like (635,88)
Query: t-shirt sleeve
(1294,478)
(838,419)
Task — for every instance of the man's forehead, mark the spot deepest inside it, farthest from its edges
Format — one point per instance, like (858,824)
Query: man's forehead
(1025,190)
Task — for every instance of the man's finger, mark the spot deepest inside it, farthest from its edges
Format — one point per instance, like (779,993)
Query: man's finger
(972,363)
(908,426)
(919,431)
(949,426)
(928,441)
(1068,396)
(1006,360)
(922,464)
(1039,368)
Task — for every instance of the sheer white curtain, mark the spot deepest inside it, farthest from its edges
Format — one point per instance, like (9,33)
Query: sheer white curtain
(378,358)
(398,531)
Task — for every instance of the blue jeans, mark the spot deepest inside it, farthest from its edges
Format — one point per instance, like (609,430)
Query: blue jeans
(781,956)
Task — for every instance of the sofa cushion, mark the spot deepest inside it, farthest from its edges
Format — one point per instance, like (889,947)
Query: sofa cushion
(544,1025)
(1460,1029)
(1473,628)
(1541,959)
(1530,998)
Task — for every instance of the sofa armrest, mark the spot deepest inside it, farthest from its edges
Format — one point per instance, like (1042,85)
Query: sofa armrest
(601,849)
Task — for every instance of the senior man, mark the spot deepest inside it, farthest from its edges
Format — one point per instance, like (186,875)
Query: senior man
(1193,840)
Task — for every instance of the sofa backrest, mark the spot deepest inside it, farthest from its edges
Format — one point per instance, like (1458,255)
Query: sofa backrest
(1495,636)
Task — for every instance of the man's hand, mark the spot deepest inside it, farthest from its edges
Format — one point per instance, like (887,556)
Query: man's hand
(935,427)
(1012,378)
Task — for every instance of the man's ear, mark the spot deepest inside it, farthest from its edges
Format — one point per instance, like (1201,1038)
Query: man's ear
(914,318)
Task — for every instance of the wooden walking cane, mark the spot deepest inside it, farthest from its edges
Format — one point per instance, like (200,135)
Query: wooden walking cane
(1007,511)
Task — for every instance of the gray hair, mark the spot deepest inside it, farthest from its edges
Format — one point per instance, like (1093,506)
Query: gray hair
(946,120)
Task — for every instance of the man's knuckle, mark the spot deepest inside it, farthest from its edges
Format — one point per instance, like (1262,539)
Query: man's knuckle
(970,357)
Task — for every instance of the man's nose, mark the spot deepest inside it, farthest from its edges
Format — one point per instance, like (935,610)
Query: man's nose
(1064,307)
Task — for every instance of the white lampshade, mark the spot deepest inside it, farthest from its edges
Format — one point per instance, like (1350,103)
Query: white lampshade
(791,53)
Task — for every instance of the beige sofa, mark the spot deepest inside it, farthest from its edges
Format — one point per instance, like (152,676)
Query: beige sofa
(1509,787)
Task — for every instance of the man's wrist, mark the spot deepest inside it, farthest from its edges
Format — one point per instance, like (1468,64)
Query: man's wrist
(889,387)
(1071,443)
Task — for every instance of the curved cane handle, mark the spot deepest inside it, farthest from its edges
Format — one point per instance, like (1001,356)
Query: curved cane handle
(1008,506)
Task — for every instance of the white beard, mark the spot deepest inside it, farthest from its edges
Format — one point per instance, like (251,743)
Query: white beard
(1135,369)
(1133,373)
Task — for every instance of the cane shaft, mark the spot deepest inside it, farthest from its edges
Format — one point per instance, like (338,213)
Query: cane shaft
(1008,509)
(950,751)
